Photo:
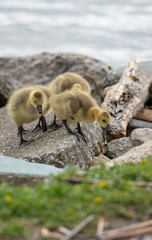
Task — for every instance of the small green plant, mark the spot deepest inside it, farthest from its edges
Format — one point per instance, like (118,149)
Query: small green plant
(60,202)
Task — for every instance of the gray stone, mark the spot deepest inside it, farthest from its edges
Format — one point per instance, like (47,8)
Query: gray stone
(99,159)
(20,172)
(19,166)
(147,237)
(135,154)
(118,147)
(42,68)
(140,135)
(111,78)
(54,148)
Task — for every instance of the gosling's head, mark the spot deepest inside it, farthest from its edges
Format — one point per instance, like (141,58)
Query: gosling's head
(103,118)
(37,100)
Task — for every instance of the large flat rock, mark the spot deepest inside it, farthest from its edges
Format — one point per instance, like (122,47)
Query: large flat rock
(54,148)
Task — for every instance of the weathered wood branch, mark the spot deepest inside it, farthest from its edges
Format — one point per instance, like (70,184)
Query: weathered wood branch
(78,228)
(100,226)
(74,180)
(126,98)
(128,231)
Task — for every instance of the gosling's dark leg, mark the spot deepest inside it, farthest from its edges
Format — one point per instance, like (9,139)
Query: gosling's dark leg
(79,136)
(44,125)
(22,141)
(54,125)
(104,136)
(23,131)
(39,126)
(84,138)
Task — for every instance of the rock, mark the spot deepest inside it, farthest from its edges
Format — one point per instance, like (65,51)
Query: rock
(136,123)
(135,154)
(141,135)
(111,78)
(99,159)
(22,172)
(54,148)
(42,68)
(118,147)
(147,237)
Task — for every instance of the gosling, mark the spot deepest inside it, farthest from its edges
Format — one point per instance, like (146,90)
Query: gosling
(77,106)
(26,105)
(64,82)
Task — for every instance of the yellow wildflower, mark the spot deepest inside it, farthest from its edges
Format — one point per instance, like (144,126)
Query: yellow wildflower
(8,197)
(144,160)
(78,189)
(98,199)
(102,184)
(127,187)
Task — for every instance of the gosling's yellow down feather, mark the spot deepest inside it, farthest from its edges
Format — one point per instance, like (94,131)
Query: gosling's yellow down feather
(28,104)
(77,106)
(66,81)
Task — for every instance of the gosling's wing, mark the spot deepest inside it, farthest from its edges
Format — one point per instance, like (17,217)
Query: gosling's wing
(73,105)
(19,99)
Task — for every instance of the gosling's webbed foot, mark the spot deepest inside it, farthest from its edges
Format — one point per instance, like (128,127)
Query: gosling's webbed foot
(82,137)
(54,126)
(37,128)
(79,130)
(23,132)
(78,135)
(23,143)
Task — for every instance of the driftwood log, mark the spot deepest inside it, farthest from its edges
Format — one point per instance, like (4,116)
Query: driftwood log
(145,114)
(124,99)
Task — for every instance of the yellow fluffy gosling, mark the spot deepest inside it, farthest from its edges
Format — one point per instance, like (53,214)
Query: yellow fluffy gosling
(64,82)
(78,106)
(26,105)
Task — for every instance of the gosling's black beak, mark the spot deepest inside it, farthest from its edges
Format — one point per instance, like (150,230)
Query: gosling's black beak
(39,108)
(108,128)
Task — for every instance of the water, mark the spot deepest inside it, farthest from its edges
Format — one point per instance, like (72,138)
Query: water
(110,30)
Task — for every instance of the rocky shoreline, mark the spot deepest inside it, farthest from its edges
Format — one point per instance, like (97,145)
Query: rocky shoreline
(57,148)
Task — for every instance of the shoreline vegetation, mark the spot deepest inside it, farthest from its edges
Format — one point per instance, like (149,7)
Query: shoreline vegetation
(104,192)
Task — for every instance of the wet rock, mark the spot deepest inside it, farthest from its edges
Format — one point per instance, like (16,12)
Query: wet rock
(140,135)
(42,68)
(54,148)
(118,147)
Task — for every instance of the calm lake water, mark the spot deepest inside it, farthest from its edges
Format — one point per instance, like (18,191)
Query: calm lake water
(110,30)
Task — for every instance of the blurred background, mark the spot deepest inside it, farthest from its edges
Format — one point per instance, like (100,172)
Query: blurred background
(109,30)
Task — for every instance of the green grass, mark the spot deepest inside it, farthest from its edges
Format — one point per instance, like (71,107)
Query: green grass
(61,203)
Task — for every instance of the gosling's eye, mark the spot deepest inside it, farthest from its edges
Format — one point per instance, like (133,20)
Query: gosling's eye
(34,101)
(104,120)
